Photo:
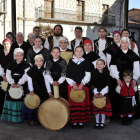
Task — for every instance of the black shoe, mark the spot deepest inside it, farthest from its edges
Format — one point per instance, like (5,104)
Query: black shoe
(102,126)
(124,120)
(74,126)
(129,120)
(96,126)
(80,126)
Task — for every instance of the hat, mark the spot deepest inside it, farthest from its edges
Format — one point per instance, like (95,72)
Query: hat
(7,40)
(17,50)
(39,56)
(20,33)
(88,41)
(116,32)
(63,38)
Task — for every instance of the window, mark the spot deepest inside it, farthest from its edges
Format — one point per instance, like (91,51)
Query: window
(105,12)
(80,10)
(48,8)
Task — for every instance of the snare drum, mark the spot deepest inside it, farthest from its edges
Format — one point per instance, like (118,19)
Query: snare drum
(16,93)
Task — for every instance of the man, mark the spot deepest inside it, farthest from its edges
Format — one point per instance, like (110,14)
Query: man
(102,43)
(126,33)
(37,31)
(79,40)
(53,41)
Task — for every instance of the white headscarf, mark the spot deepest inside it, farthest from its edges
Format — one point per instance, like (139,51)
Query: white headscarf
(18,50)
(39,56)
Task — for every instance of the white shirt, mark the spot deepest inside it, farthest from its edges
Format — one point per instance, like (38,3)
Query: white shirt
(55,43)
(21,81)
(103,91)
(38,50)
(20,44)
(77,43)
(102,44)
(30,83)
(86,78)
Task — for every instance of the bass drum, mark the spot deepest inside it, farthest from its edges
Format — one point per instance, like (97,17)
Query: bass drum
(54,113)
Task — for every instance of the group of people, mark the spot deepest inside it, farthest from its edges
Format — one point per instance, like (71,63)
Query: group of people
(104,68)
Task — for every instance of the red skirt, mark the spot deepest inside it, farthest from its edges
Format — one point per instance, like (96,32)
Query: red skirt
(80,112)
(107,110)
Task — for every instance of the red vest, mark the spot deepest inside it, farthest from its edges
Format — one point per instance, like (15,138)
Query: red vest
(127,91)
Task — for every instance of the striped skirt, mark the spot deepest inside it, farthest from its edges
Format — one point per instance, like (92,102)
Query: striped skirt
(107,110)
(12,111)
(80,112)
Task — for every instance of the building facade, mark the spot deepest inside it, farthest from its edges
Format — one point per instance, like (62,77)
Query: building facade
(89,14)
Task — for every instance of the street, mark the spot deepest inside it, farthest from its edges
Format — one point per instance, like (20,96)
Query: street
(112,131)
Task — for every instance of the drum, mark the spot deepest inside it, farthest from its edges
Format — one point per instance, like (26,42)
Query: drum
(77,95)
(16,93)
(54,113)
(32,101)
(67,55)
(4,85)
(99,102)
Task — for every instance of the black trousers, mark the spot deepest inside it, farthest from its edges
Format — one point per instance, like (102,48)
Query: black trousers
(126,106)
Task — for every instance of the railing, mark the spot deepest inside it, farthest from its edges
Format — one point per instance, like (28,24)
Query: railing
(72,16)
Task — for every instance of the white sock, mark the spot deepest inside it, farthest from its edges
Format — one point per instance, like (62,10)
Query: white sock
(129,116)
(74,123)
(103,118)
(97,117)
(80,123)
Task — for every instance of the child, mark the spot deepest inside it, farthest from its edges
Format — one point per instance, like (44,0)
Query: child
(63,44)
(56,71)
(100,81)
(38,84)
(89,54)
(37,49)
(16,77)
(78,75)
(6,56)
(127,99)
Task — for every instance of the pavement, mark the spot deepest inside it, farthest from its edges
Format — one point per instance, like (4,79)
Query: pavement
(112,131)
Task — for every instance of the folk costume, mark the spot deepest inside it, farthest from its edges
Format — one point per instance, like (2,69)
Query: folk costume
(56,71)
(75,42)
(15,73)
(100,45)
(37,82)
(5,59)
(121,61)
(79,71)
(32,52)
(51,42)
(100,82)
(113,95)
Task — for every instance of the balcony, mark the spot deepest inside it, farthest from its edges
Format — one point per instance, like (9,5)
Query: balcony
(3,4)
(43,14)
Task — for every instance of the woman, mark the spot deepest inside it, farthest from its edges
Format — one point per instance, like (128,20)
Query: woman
(20,43)
(125,59)
(10,36)
(30,41)
(37,49)
(6,56)
(113,95)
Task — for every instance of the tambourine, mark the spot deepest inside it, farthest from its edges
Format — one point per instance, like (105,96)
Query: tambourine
(16,93)
(99,102)
(77,95)
(32,101)
(4,85)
